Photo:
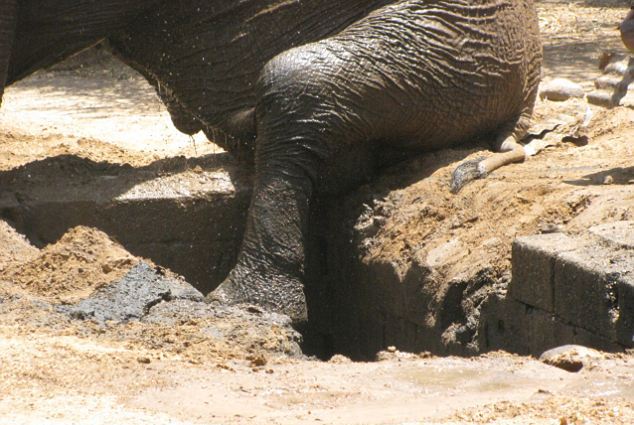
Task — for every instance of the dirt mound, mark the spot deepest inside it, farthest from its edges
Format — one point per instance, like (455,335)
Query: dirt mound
(457,233)
(14,248)
(18,148)
(75,286)
(83,260)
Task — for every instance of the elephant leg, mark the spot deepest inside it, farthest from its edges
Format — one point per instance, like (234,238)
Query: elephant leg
(8,18)
(299,132)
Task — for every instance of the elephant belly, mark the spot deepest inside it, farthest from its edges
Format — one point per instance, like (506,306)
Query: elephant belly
(210,54)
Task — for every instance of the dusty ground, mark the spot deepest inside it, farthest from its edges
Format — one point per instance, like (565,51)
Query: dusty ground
(58,371)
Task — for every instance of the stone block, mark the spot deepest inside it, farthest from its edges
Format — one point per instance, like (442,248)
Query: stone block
(516,327)
(533,268)
(585,295)
(503,326)
(588,339)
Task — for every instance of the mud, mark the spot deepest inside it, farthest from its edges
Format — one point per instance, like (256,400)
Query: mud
(133,296)
(87,285)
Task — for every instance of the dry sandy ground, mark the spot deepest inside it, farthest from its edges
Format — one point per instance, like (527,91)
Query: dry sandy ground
(93,383)
(55,373)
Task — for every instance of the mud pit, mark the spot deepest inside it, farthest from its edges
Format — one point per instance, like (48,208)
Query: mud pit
(402,263)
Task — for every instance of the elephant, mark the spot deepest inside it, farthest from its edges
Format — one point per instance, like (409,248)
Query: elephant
(310,93)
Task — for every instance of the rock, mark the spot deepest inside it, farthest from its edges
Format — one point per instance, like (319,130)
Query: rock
(133,296)
(560,89)
(258,360)
(533,264)
(572,358)
(339,359)
(144,360)
(612,87)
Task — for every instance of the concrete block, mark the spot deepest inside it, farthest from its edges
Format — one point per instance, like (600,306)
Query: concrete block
(513,326)
(585,295)
(533,263)
(589,339)
(546,331)
(503,326)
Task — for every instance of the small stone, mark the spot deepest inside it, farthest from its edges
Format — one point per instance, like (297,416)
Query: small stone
(572,358)
(144,360)
(391,349)
(339,359)
(560,89)
(383,356)
(608,180)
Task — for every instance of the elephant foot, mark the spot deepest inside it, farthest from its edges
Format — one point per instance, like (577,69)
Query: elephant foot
(465,173)
(277,294)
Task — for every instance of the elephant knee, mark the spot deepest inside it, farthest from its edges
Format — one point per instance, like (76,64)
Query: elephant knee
(295,102)
(294,83)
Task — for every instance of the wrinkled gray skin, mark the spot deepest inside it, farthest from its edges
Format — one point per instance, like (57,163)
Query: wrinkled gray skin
(312,91)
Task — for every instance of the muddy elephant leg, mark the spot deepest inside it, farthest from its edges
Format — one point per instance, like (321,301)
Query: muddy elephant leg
(8,16)
(270,268)
(298,131)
